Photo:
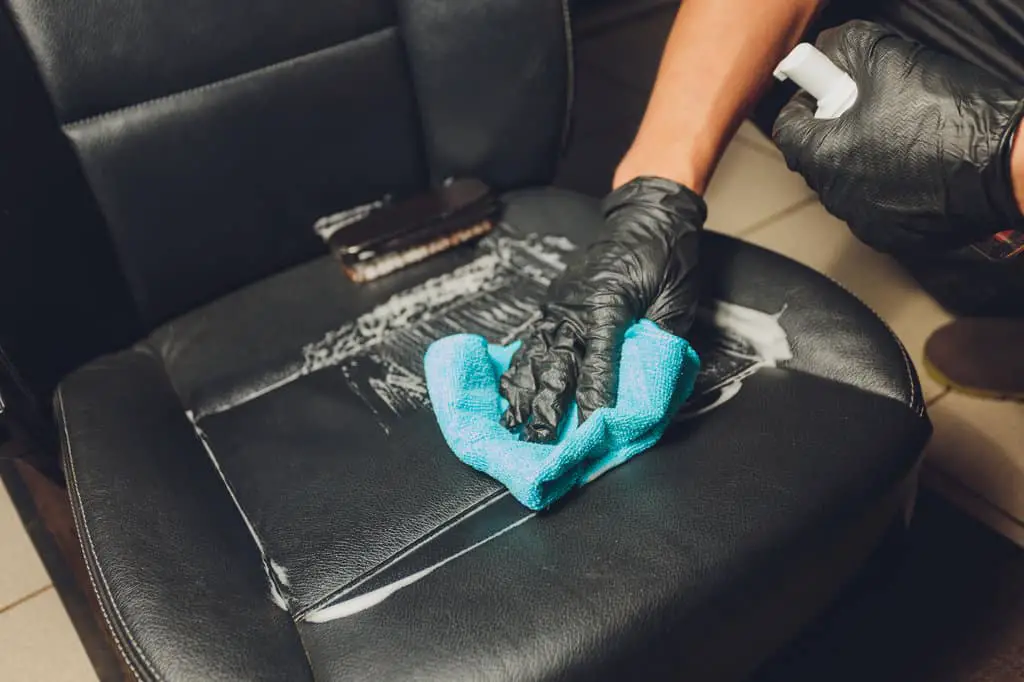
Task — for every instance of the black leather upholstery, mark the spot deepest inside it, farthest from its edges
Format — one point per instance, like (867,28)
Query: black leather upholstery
(52,238)
(501,131)
(802,466)
(160,49)
(192,120)
(226,181)
(258,485)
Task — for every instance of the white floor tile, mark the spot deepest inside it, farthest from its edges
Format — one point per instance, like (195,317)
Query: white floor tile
(38,642)
(978,442)
(750,186)
(22,572)
(813,237)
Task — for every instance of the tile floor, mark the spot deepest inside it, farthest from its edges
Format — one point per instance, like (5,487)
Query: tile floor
(37,639)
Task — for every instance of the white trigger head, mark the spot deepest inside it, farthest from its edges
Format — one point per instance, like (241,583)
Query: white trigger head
(809,68)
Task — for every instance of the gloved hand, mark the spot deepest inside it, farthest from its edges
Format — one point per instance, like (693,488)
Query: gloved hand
(642,264)
(922,159)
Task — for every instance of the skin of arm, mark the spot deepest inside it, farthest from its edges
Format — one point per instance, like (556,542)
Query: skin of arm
(718,60)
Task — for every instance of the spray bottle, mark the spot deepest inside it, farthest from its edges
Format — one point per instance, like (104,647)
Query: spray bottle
(832,87)
(835,92)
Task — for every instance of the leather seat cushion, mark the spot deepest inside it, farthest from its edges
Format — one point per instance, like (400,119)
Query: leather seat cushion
(259,462)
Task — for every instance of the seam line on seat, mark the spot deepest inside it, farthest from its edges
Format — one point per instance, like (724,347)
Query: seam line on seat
(916,405)
(350,607)
(913,403)
(270,68)
(409,549)
(85,537)
(277,594)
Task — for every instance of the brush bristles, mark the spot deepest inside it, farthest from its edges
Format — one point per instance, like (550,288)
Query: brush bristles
(388,263)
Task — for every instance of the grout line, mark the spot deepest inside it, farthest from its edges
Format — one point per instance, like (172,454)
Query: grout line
(958,485)
(771,218)
(942,394)
(28,597)
(75,602)
(759,147)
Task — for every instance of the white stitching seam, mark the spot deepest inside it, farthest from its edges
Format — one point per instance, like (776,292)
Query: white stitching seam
(270,68)
(85,537)
(917,407)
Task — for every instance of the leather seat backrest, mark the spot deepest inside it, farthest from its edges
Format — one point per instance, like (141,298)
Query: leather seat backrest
(213,133)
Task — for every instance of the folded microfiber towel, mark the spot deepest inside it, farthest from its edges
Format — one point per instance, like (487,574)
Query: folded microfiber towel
(656,376)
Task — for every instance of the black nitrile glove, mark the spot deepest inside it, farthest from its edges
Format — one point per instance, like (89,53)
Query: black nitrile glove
(922,159)
(642,264)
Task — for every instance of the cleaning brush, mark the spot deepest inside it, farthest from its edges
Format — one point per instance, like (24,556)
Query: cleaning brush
(397,235)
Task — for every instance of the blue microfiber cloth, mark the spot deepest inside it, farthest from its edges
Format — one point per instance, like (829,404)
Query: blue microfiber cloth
(656,376)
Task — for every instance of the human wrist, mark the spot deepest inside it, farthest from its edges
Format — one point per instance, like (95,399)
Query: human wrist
(678,162)
(685,208)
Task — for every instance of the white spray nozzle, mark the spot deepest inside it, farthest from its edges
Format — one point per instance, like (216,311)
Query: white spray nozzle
(809,68)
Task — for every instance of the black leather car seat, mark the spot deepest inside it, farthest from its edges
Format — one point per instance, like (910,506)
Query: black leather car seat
(259,487)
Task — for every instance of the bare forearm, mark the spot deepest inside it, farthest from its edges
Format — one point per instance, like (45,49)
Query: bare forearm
(718,60)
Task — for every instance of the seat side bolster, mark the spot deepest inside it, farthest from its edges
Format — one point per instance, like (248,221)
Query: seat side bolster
(158,527)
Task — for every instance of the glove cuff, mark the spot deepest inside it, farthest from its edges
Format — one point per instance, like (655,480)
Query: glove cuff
(658,193)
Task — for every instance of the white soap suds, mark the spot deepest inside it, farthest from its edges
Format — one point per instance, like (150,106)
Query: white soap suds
(350,607)
(326,227)
(415,547)
(281,572)
(497,295)
(761,330)
(734,343)
(401,311)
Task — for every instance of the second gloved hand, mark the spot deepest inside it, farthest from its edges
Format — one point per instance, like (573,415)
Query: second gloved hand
(641,265)
(922,158)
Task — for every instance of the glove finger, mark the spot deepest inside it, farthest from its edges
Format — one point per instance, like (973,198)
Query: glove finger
(599,374)
(519,400)
(518,384)
(794,127)
(556,386)
(674,311)
(558,379)
(675,306)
